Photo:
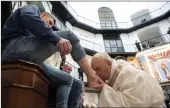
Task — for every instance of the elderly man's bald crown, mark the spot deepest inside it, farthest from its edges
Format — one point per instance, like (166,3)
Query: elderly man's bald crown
(103,55)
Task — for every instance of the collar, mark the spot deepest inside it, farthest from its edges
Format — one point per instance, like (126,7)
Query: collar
(112,69)
(115,71)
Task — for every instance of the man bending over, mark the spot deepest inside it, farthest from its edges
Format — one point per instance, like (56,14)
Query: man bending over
(127,86)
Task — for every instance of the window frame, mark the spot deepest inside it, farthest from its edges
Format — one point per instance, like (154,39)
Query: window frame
(118,45)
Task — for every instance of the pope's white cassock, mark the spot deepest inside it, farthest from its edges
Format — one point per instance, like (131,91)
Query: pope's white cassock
(130,87)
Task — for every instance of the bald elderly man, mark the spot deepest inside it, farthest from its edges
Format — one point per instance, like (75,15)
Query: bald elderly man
(127,86)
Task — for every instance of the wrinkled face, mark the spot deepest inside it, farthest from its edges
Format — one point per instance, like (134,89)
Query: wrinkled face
(101,67)
(48,20)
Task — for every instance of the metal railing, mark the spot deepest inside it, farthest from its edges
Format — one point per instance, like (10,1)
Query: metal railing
(130,48)
(90,45)
(146,44)
(156,41)
(124,48)
(158,12)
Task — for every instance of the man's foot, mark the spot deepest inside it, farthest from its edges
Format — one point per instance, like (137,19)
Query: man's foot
(93,80)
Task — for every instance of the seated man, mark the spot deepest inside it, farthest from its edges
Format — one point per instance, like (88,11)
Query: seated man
(127,86)
(27,35)
(69,89)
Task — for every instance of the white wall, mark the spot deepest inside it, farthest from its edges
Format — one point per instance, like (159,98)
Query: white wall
(139,16)
(163,25)
(99,39)
(130,38)
(128,41)
(88,39)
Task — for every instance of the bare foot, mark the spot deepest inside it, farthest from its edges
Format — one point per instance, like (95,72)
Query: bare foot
(93,80)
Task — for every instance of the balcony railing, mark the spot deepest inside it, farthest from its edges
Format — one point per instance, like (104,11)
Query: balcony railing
(90,45)
(124,48)
(130,48)
(149,43)
(158,12)
(156,41)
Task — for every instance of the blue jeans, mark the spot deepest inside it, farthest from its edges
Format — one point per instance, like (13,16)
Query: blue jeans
(69,89)
(37,50)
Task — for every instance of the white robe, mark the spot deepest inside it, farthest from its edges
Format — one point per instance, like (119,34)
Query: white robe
(54,60)
(131,87)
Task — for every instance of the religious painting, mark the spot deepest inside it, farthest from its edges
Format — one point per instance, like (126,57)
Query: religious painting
(163,67)
(157,62)
(160,61)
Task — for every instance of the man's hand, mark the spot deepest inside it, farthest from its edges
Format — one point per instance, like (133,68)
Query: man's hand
(99,86)
(64,46)
(67,68)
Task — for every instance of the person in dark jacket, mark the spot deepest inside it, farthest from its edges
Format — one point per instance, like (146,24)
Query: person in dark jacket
(27,35)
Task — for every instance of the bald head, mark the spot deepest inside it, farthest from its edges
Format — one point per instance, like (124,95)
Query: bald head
(103,56)
(101,64)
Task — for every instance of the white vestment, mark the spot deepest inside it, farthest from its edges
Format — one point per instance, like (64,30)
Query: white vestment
(130,87)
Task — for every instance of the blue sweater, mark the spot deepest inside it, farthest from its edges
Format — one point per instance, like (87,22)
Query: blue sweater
(26,21)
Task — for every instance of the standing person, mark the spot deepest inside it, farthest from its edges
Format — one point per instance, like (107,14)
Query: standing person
(69,90)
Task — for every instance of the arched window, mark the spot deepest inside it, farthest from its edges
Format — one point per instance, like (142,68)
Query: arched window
(106,17)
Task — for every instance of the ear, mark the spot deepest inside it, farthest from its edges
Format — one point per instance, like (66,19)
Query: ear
(43,14)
